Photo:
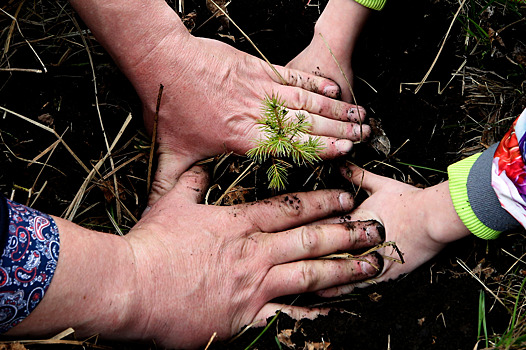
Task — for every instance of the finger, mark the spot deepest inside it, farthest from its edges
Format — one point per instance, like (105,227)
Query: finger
(306,81)
(331,147)
(192,184)
(363,178)
(295,209)
(347,95)
(328,127)
(169,169)
(298,99)
(357,215)
(310,276)
(342,290)
(309,242)
(296,312)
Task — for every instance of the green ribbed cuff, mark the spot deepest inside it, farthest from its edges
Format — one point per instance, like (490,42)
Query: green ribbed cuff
(372,4)
(458,178)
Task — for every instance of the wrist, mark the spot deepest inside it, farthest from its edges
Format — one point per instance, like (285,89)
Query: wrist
(93,289)
(130,30)
(349,18)
(170,301)
(152,276)
(442,222)
(96,284)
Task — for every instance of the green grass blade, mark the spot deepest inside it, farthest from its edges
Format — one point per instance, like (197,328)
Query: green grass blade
(423,167)
(482,317)
(263,331)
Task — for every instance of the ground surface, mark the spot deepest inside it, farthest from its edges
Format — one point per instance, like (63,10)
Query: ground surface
(436,307)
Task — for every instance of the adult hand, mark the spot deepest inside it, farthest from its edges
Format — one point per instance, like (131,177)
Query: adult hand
(340,24)
(205,269)
(187,270)
(212,106)
(213,93)
(420,221)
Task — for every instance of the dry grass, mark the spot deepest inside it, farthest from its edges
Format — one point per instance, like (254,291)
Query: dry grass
(50,29)
(38,38)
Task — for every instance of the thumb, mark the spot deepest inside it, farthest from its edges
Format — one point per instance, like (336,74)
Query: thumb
(192,184)
(368,181)
(170,167)
(347,92)
(307,81)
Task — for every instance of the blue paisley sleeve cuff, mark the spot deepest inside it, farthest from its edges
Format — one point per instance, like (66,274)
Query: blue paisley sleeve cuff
(28,262)
(3,219)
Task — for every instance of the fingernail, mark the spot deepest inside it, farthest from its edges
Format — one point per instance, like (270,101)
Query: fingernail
(361,132)
(346,201)
(369,268)
(204,168)
(358,131)
(146,210)
(345,171)
(374,231)
(374,264)
(380,262)
(343,146)
(332,91)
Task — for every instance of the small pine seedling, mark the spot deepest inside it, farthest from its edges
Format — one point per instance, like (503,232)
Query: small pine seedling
(285,137)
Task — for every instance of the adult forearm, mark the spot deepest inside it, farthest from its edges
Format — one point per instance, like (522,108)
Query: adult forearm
(130,29)
(341,24)
(93,289)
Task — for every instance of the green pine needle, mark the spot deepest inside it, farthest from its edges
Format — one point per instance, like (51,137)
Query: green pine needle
(277,174)
(285,137)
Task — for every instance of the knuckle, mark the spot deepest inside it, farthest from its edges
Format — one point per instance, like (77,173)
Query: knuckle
(321,105)
(159,188)
(309,118)
(291,77)
(306,276)
(339,110)
(302,100)
(315,84)
(309,82)
(252,219)
(296,97)
(291,205)
(195,176)
(309,238)
(346,129)
(356,233)
(249,248)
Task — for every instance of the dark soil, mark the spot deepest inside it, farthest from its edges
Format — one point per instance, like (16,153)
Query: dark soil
(436,306)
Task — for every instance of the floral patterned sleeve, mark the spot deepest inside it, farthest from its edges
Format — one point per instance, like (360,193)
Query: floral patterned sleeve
(488,189)
(508,172)
(29,254)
